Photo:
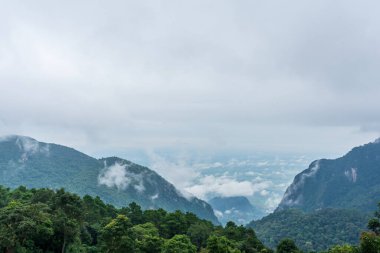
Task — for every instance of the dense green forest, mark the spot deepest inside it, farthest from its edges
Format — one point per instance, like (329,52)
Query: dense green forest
(312,231)
(45,220)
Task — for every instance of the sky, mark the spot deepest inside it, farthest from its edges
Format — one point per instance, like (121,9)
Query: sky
(112,77)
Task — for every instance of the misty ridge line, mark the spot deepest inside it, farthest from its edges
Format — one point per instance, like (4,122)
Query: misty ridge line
(187,177)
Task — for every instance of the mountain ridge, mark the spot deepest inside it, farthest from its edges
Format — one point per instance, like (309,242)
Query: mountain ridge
(25,161)
(351,181)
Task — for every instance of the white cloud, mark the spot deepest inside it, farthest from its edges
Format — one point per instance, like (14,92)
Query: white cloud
(27,146)
(140,186)
(154,197)
(272,202)
(292,196)
(30,146)
(179,172)
(225,186)
(118,176)
(218,213)
(114,176)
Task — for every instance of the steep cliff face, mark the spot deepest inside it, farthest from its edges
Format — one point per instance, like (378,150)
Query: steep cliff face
(25,161)
(351,182)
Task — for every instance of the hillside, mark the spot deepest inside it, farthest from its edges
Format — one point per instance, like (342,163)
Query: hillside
(328,203)
(25,161)
(352,182)
(314,231)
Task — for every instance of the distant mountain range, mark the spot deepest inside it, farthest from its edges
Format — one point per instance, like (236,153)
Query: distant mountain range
(351,182)
(237,209)
(25,161)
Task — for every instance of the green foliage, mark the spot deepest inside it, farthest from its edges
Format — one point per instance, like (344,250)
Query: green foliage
(374,223)
(199,233)
(23,225)
(179,244)
(147,238)
(370,243)
(311,231)
(287,246)
(174,223)
(344,249)
(44,220)
(116,236)
(220,244)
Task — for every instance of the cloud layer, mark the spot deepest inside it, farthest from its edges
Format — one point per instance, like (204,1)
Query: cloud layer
(226,186)
(299,75)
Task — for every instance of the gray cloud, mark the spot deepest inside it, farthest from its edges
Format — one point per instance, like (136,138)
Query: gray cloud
(242,75)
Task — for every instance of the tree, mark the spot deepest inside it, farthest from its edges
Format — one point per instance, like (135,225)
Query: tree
(24,225)
(369,242)
(68,216)
(179,244)
(116,236)
(198,233)
(133,212)
(251,244)
(156,217)
(174,224)
(4,196)
(220,244)
(343,249)
(374,223)
(233,232)
(147,238)
(287,246)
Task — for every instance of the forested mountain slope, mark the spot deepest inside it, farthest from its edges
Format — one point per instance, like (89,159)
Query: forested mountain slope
(314,231)
(352,182)
(25,161)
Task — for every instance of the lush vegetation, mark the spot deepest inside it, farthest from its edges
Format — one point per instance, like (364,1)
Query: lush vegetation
(369,241)
(44,220)
(311,231)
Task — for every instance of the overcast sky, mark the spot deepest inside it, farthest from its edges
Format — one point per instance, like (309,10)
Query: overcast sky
(276,76)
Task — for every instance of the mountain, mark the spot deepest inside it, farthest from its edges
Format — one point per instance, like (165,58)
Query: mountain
(25,161)
(351,182)
(329,203)
(315,231)
(237,209)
